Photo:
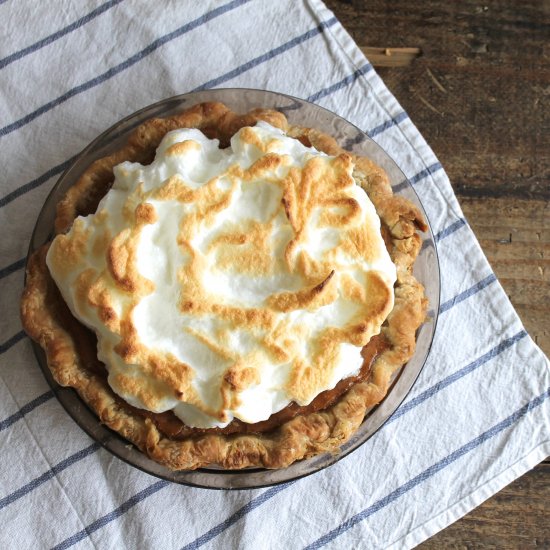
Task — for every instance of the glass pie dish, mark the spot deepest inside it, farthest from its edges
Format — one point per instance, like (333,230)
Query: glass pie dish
(426,270)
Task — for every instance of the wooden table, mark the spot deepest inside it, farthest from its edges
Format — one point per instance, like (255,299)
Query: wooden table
(480,94)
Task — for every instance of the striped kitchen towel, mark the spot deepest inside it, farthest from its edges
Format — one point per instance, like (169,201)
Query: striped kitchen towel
(478,416)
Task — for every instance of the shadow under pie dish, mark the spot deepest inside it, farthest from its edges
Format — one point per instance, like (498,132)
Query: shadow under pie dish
(245,287)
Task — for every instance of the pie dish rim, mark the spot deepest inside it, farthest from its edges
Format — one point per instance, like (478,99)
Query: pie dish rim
(215,95)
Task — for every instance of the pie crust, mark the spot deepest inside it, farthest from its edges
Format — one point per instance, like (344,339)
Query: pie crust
(71,348)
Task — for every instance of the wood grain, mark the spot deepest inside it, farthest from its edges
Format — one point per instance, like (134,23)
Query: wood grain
(391,57)
(515,236)
(480,95)
(481,90)
(513,518)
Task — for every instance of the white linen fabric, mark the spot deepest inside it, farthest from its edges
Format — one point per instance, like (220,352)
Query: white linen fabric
(479,414)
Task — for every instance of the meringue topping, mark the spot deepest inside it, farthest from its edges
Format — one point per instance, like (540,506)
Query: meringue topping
(227,283)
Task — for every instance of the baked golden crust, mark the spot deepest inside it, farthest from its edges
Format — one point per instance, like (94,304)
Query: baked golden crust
(44,314)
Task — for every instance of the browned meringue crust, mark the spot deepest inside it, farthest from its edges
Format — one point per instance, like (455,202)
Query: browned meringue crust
(70,347)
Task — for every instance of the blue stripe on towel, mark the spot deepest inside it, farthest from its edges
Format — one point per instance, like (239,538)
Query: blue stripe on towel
(428,171)
(395,121)
(426,394)
(56,170)
(450,229)
(240,513)
(36,482)
(59,34)
(12,268)
(341,84)
(107,518)
(467,293)
(10,342)
(266,56)
(25,409)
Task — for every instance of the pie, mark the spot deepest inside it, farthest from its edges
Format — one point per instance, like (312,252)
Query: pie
(228,289)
